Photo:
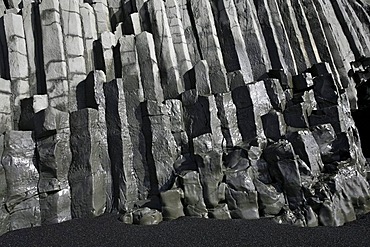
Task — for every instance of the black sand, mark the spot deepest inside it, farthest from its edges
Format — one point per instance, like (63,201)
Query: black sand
(108,231)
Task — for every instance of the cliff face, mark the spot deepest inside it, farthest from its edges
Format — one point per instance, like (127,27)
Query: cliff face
(160,109)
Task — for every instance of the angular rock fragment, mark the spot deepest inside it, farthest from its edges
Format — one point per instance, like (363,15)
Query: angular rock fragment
(171,204)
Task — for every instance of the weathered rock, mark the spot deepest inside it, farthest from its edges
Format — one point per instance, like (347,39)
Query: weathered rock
(165,50)
(146,216)
(125,190)
(6,119)
(90,33)
(209,44)
(227,115)
(22,201)
(171,204)
(55,157)
(160,146)
(149,70)
(86,176)
(274,125)
(193,195)
(254,40)
(134,95)
(307,149)
(175,22)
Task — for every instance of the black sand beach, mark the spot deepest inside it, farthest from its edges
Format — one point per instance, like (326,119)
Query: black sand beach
(108,231)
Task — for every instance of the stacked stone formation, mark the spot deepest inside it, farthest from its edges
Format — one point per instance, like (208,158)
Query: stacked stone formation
(160,109)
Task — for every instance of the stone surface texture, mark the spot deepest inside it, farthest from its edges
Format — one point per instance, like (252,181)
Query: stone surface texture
(156,110)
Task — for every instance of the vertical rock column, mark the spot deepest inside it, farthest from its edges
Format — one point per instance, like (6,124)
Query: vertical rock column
(89,32)
(209,44)
(134,95)
(294,33)
(87,176)
(74,48)
(274,32)
(18,62)
(29,23)
(178,37)
(99,97)
(322,43)
(55,64)
(165,50)
(120,147)
(160,146)
(338,44)
(108,41)
(101,16)
(253,37)
(355,38)
(4,214)
(22,177)
(232,41)
(251,102)
(188,25)
(149,70)
(6,111)
(53,140)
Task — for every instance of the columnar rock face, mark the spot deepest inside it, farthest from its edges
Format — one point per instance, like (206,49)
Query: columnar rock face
(163,109)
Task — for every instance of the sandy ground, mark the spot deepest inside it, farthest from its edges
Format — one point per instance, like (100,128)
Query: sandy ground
(108,231)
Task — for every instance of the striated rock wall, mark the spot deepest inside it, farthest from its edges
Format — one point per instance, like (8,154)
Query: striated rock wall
(159,109)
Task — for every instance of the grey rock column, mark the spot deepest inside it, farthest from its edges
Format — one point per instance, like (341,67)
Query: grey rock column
(120,147)
(165,50)
(253,37)
(290,21)
(134,95)
(284,167)
(355,38)
(305,146)
(176,114)
(53,140)
(55,64)
(209,44)
(90,33)
(18,62)
(108,41)
(21,173)
(232,42)
(308,38)
(101,16)
(338,44)
(226,111)
(4,215)
(178,36)
(191,40)
(6,111)
(277,42)
(251,102)
(74,48)
(321,40)
(193,194)
(160,146)
(149,70)
(87,176)
(29,23)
